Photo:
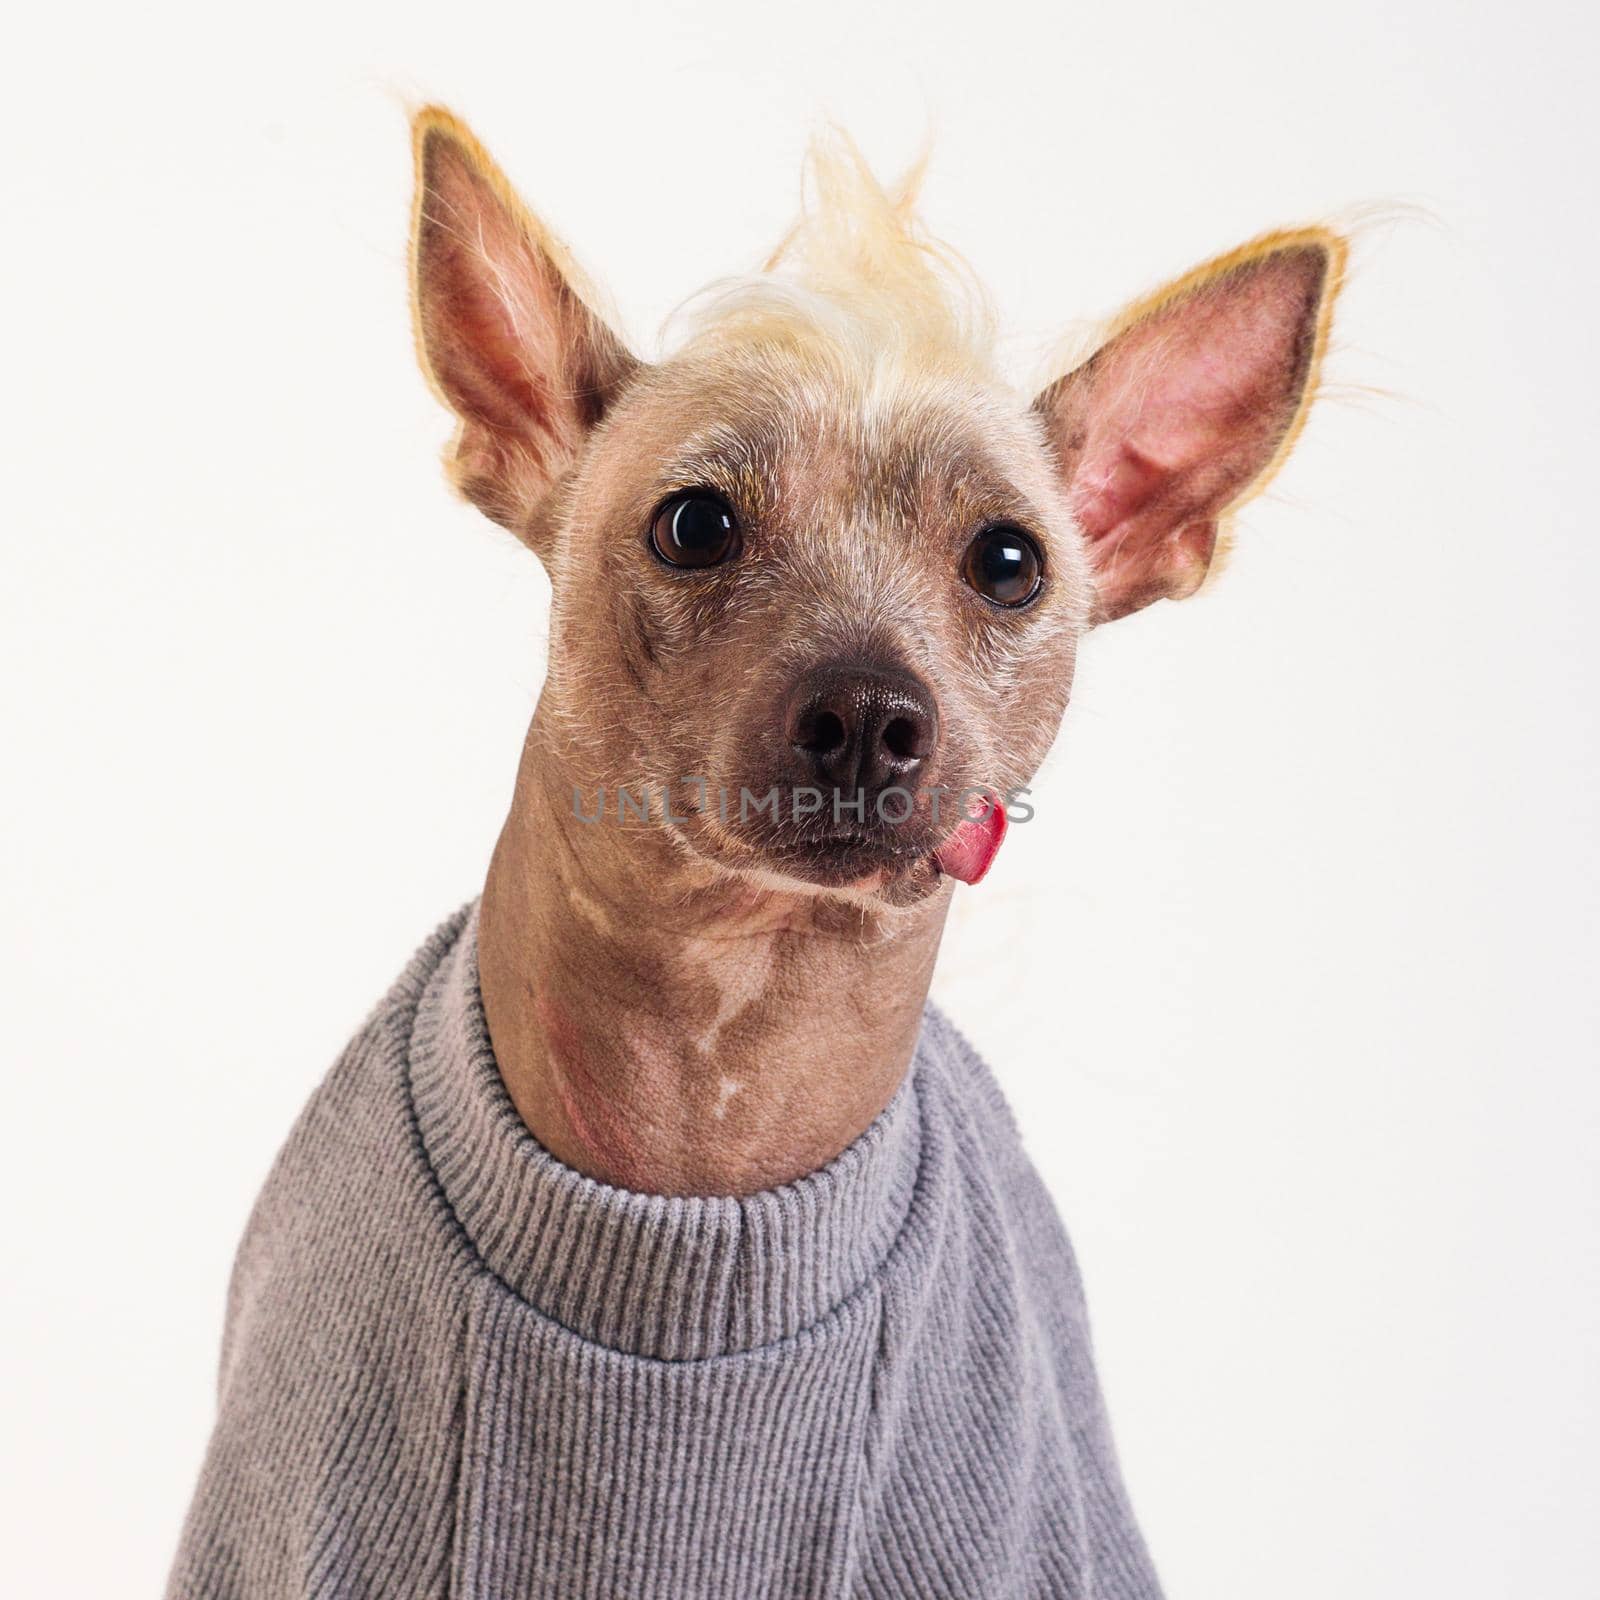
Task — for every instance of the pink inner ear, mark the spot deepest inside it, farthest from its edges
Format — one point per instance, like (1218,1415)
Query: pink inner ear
(490,307)
(1171,422)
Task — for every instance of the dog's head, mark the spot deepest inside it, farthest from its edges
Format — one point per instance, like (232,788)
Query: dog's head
(820,575)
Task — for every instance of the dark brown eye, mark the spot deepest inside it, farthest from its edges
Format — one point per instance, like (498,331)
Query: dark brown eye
(1004,565)
(694,530)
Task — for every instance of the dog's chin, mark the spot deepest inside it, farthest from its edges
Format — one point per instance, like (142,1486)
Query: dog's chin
(857,866)
(866,868)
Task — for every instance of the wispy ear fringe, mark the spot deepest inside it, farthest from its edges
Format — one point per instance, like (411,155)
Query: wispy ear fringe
(504,471)
(1336,248)
(1337,237)
(435,121)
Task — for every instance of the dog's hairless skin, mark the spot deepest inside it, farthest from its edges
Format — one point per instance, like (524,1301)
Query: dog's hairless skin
(820,548)
(666,1028)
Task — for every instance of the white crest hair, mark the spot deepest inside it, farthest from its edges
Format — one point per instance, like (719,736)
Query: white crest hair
(859,272)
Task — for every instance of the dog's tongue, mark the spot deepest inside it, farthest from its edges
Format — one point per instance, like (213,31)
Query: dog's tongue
(969,852)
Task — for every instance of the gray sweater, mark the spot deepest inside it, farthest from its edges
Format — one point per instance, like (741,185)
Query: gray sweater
(454,1366)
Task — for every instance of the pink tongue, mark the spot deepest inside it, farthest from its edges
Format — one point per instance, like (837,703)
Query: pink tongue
(969,852)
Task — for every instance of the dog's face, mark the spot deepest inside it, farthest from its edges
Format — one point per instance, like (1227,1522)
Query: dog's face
(838,598)
(821,588)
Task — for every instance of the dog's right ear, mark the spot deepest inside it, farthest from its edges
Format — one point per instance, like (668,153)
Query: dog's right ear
(506,331)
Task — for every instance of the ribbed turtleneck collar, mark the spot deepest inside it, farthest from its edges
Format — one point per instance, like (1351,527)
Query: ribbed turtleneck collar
(653,1275)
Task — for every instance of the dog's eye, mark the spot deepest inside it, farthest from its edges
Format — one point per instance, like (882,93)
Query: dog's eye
(694,530)
(1004,565)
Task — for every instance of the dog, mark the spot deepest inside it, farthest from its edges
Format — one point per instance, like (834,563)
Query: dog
(655,1237)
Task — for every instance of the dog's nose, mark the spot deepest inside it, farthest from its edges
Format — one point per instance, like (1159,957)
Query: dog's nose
(861,727)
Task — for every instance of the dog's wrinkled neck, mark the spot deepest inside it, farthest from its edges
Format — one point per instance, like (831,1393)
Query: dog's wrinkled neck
(667,1027)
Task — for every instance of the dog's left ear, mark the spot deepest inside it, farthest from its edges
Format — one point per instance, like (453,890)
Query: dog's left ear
(506,328)
(1188,409)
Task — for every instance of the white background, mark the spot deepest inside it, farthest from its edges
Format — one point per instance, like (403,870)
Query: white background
(1292,982)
